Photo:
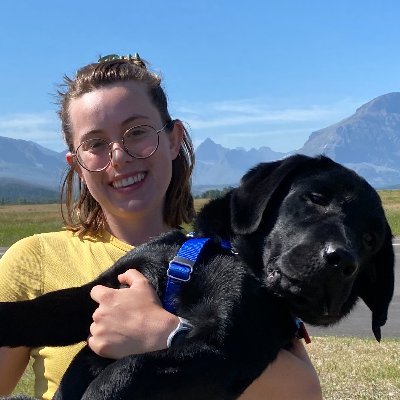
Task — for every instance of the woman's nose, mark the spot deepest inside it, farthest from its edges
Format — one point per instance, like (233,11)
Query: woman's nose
(118,154)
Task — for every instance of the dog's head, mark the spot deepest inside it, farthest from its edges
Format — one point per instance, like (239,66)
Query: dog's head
(322,235)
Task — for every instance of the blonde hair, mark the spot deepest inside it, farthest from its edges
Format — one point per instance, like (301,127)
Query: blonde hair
(82,213)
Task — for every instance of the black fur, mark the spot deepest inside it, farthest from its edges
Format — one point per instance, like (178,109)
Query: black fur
(311,238)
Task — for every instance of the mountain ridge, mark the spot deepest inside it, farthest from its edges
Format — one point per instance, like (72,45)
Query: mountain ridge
(367,141)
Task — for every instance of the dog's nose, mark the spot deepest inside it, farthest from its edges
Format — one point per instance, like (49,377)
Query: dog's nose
(341,258)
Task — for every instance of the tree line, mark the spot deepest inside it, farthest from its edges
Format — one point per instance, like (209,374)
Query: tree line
(213,194)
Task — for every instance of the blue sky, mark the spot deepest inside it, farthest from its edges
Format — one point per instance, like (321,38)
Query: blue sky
(246,73)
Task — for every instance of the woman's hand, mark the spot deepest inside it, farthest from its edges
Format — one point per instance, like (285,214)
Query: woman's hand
(290,377)
(129,320)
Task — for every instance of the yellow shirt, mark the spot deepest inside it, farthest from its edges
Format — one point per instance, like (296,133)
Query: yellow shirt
(50,261)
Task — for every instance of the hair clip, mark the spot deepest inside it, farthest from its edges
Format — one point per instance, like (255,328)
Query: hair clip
(110,57)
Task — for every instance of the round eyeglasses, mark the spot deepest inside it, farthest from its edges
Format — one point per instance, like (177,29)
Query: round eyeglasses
(139,142)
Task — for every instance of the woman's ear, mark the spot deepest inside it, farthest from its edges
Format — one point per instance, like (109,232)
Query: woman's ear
(70,158)
(176,138)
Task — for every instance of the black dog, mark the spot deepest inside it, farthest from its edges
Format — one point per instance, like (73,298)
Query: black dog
(311,238)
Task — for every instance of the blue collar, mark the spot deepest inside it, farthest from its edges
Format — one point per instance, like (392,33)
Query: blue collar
(181,267)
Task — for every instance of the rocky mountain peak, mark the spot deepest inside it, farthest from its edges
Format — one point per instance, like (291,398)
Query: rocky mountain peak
(387,103)
(368,141)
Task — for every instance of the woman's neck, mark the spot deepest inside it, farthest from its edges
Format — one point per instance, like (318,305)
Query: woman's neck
(136,231)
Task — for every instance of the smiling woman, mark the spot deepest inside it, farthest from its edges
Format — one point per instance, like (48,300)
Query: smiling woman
(150,174)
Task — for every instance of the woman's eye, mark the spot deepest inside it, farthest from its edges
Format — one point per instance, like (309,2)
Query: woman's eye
(135,132)
(97,143)
(94,145)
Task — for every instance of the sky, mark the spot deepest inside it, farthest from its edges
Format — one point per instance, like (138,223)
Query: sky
(243,73)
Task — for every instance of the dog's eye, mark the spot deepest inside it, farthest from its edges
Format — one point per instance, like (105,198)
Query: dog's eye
(369,239)
(317,198)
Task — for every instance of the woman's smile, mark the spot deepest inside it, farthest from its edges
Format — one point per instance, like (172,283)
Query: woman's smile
(128,181)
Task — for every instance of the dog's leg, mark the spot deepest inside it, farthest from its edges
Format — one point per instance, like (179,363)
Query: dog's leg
(167,375)
(57,318)
(85,367)
(194,371)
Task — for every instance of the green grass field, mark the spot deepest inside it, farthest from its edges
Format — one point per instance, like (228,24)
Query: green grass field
(18,221)
(349,368)
(391,204)
(357,369)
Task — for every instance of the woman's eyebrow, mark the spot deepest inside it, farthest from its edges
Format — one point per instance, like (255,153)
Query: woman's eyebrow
(132,120)
(90,134)
(125,124)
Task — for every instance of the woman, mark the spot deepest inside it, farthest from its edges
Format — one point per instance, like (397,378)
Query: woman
(130,164)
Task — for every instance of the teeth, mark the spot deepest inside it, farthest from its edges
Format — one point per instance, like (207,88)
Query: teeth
(128,181)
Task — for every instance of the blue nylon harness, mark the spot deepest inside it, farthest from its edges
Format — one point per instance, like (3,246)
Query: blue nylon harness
(180,269)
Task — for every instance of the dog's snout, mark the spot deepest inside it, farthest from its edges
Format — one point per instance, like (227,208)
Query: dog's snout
(342,258)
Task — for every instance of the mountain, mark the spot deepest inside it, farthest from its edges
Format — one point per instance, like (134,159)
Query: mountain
(368,141)
(29,162)
(19,191)
(218,166)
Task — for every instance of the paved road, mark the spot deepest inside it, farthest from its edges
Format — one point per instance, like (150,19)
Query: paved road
(2,250)
(359,321)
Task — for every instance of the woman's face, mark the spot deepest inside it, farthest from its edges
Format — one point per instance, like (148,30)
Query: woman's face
(128,186)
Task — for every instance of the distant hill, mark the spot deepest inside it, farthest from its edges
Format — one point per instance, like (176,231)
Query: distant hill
(218,166)
(29,172)
(17,191)
(29,162)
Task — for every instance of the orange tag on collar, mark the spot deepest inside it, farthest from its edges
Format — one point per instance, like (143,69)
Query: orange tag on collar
(303,334)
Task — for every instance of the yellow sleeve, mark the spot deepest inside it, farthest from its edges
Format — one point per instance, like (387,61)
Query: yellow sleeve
(21,275)
(51,261)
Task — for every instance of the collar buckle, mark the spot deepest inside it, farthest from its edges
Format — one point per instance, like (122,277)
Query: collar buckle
(180,269)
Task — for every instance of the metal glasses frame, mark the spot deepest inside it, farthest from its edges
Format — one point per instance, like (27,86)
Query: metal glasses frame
(122,140)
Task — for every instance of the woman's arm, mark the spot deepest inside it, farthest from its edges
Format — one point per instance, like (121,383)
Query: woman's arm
(13,362)
(290,377)
(20,279)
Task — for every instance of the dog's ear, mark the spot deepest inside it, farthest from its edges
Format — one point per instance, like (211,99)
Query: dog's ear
(214,218)
(377,289)
(250,199)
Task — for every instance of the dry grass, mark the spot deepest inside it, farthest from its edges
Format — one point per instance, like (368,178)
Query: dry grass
(18,221)
(390,198)
(357,369)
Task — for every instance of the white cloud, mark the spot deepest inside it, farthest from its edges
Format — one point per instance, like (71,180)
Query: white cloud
(42,128)
(228,113)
